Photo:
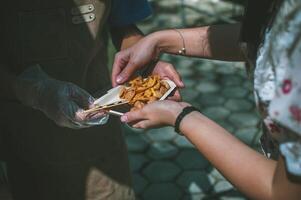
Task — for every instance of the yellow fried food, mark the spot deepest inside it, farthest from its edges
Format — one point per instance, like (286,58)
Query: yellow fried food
(142,91)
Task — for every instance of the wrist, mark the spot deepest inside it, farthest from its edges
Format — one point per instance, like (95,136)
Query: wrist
(176,111)
(161,41)
(186,111)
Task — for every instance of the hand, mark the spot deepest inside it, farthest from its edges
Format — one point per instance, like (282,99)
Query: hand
(63,102)
(128,61)
(155,115)
(167,70)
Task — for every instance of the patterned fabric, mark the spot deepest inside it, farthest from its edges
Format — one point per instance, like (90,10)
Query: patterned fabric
(277,83)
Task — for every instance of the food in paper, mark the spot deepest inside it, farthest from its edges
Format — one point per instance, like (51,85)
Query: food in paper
(141,91)
(136,93)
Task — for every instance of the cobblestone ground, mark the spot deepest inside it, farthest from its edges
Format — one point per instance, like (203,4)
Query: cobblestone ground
(166,166)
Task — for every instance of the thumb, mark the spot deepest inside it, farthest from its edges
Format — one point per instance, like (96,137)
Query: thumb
(80,96)
(132,116)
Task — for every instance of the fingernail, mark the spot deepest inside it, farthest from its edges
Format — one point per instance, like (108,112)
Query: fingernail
(124,118)
(119,79)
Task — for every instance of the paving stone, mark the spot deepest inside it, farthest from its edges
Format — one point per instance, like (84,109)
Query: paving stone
(162,134)
(161,150)
(188,94)
(182,142)
(165,20)
(243,73)
(207,76)
(248,85)
(203,66)
(184,64)
(139,183)
(191,159)
(238,105)
(251,97)
(211,99)
(216,174)
(137,161)
(226,69)
(232,198)
(188,82)
(235,92)
(185,71)
(162,191)
(198,180)
(161,171)
(229,127)
(247,135)
(207,87)
(231,80)
(196,196)
(168,4)
(244,119)
(221,186)
(136,143)
(217,112)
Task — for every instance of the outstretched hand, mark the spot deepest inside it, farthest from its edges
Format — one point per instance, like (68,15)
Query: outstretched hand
(154,115)
(62,102)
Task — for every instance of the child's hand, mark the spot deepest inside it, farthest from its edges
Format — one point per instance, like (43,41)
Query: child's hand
(155,115)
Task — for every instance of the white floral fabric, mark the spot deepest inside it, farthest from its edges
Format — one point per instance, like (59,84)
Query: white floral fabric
(277,84)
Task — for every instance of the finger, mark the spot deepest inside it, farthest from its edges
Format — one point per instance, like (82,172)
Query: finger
(88,120)
(95,115)
(69,116)
(176,96)
(120,62)
(133,116)
(97,121)
(80,96)
(145,124)
(175,76)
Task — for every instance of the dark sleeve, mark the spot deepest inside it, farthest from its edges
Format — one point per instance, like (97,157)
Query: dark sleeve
(258,15)
(126,12)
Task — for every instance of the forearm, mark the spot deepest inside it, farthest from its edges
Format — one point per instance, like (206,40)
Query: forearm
(125,37)
(213,42)
(245,168)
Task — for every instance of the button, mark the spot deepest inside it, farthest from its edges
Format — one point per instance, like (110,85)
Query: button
(82,9)
(83,18)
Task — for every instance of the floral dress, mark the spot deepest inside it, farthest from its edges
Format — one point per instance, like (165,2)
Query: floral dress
(277,86)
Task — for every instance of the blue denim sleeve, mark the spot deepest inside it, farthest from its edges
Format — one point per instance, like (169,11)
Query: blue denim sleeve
(126,12)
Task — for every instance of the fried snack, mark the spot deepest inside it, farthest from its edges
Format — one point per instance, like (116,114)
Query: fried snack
(142,91)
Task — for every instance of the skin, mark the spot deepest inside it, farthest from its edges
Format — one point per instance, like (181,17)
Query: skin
(252,173)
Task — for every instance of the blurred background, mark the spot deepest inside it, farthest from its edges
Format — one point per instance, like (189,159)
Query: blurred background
(165,166)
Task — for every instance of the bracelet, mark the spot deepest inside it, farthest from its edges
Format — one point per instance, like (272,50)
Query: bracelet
(182,51)
(180,117)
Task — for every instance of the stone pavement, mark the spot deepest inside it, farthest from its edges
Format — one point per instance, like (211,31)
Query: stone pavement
(166,166)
